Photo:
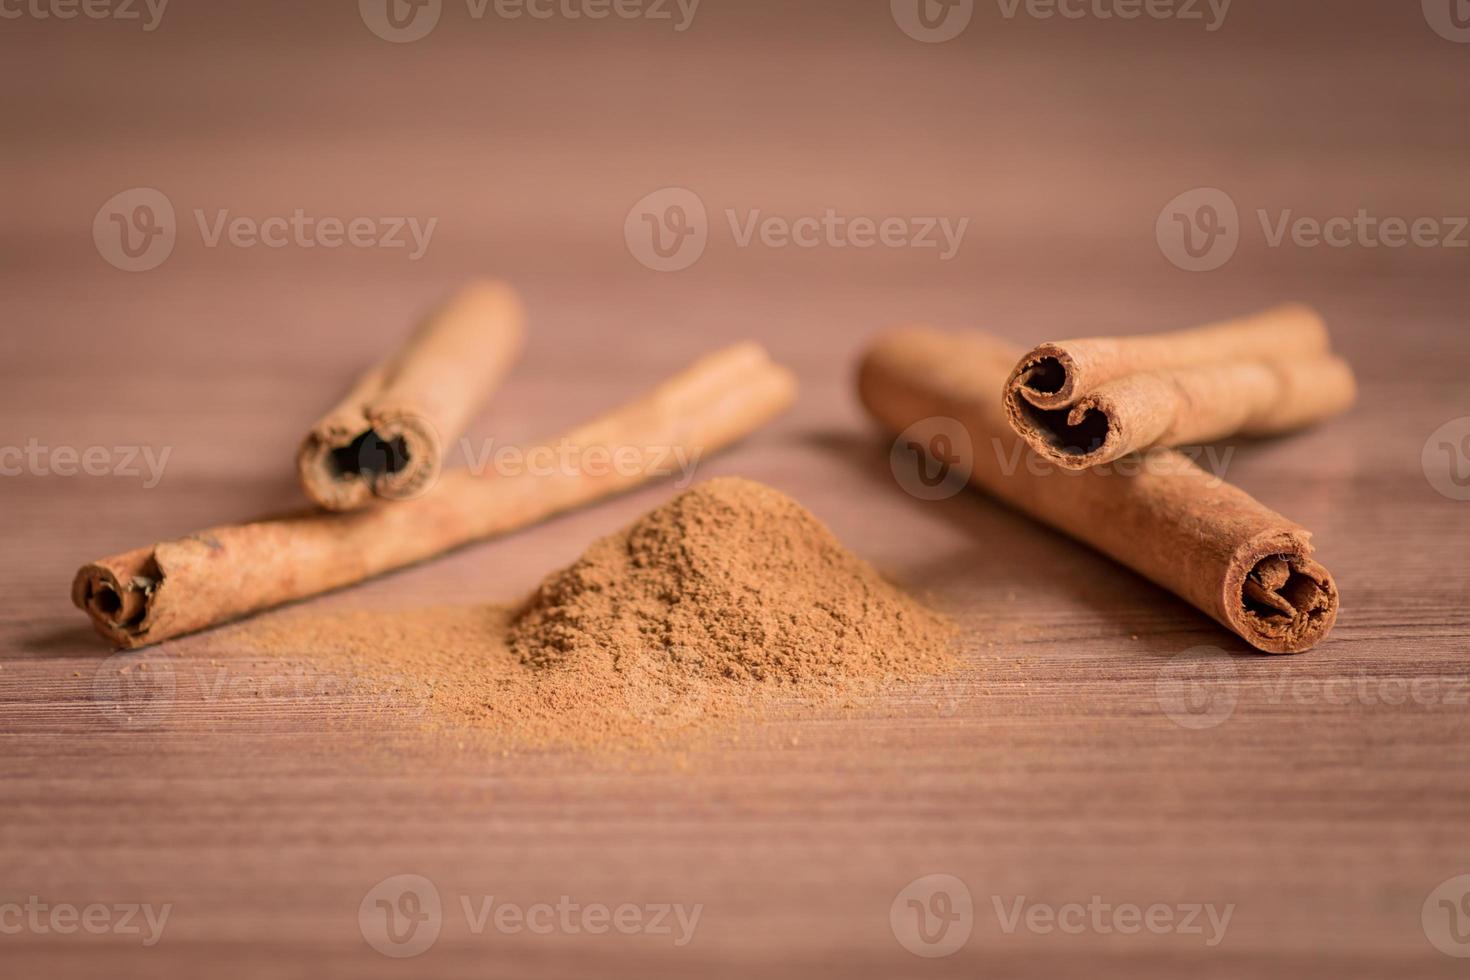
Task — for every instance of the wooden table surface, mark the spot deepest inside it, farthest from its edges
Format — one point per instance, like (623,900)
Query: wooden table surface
(1324,800)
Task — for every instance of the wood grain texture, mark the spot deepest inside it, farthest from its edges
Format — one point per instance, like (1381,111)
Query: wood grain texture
(264,798)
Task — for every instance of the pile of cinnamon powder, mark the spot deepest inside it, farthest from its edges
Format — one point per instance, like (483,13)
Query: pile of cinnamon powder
(725,602)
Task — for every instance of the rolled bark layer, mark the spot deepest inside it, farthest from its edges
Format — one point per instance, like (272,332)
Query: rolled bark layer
(1189,532)
(175,587)
(1081,403)
(385,439)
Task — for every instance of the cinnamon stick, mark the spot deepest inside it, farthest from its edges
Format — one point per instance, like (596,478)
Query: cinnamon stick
(1081,403)
(174,587)
(1167,519)
(386,437)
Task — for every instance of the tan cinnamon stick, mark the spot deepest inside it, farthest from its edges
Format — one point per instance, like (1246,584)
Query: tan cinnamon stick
(386,437)
(1167,519)
(1081,403)
(174,587)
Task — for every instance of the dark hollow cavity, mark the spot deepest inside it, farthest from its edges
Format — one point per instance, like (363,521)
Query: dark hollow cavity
(1045,376)
(1301,592)
(1081,439)
(369,455)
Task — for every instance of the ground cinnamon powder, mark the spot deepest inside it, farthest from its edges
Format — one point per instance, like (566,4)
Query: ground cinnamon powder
(726,602)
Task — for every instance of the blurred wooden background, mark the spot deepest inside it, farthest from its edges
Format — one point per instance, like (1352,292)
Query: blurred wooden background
(1326,808)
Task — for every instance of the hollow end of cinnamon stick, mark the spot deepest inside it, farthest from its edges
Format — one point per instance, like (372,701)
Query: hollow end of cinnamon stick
(1042,404)
(117,593)
(1082,403)
(1123,416)
(1076,437)
(1046,378)
(385,438)
(1277,598)
(392,456)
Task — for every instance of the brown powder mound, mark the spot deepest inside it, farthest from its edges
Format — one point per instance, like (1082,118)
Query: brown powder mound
(732,582)
(730,600)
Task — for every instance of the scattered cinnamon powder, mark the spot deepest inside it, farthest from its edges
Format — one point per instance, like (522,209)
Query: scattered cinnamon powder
(730,600)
